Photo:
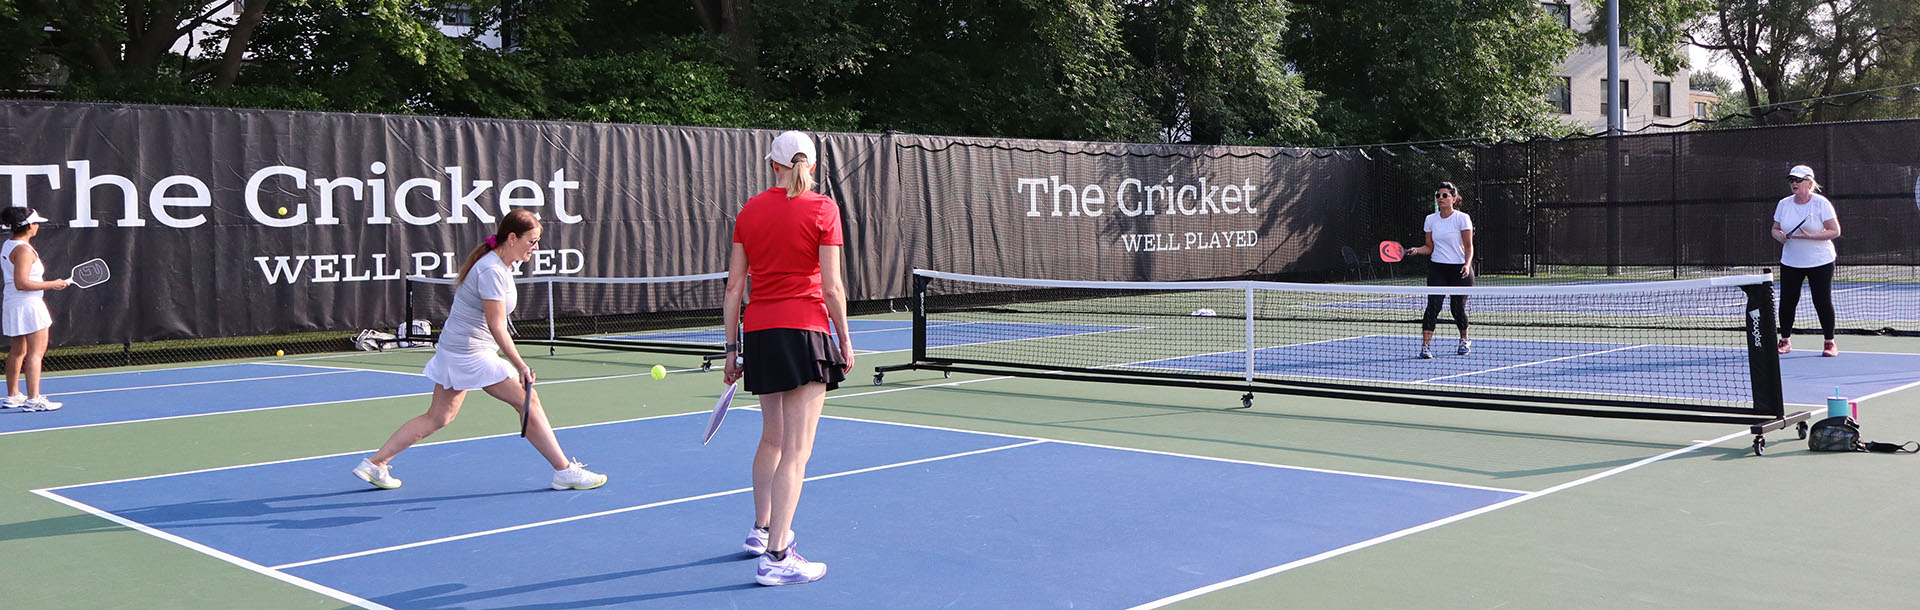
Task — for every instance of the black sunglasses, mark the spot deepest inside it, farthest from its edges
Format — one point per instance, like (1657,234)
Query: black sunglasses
(1796,180)
(1443,195)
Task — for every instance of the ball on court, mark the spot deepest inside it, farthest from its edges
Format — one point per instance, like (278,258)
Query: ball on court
(279,352)
(659,372)
(283,210)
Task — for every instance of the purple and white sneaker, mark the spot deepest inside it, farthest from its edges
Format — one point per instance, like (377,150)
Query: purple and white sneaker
(756,542)
(793,570)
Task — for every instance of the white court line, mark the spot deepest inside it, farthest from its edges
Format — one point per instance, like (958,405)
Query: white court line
(1028,442)
(189,544)
(511,434)
(217,554)
(1526,364)
(1426,526)
(1883,392)
(1179,455)
(347,368)
(137,371)
(207,382)
(311,404)
(629,509)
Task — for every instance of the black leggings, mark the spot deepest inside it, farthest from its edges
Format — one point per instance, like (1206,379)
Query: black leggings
(1443,274)
(1821,280)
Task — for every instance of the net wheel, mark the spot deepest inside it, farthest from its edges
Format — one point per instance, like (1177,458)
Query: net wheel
(1246,402)
(1759,445)
(877,377)
(706,365)
(946,374)
(1802,429)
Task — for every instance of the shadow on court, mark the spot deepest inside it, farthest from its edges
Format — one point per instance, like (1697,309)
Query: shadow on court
(1362,450)
(458,596)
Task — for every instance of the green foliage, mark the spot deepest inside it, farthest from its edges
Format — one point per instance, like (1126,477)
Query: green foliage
(1255,72)
(1031,68)
(1216,74)
(678,81)
(1653,30)
(1708,81)
(1400,70)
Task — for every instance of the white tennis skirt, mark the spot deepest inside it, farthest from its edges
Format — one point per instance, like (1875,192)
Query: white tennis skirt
(24,316)
(468,370)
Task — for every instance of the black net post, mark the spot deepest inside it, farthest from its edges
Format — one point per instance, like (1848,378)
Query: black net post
(920,283)
(1762,350)
(406,322)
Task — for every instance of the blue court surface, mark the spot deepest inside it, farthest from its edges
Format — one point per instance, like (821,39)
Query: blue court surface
(1560,366)
(905,517)
(872,336)
(162,393)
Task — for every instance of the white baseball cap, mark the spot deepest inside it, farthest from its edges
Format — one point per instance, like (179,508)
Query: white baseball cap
(34,217)
(1801,171)
(789,144)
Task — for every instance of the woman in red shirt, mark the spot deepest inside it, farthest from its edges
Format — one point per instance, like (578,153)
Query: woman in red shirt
(787,239)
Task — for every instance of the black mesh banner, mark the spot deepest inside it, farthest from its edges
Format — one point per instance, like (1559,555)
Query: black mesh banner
(228,223)
(223,222)
(1683,204)
(1088,211)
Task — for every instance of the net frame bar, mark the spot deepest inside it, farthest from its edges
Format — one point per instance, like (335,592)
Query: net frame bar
(707,352)
(1767,413)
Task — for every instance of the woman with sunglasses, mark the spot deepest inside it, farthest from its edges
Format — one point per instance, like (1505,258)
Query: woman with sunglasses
(1450,241)
(1805,225)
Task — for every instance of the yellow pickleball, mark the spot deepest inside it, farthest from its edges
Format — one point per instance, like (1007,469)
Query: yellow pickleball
(659,372)
(283,211)
(279,352)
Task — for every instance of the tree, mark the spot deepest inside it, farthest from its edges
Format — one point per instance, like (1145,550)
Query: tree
(1214,72)
(1701,80)
(1022,68)
(1788,50)
(1401,70)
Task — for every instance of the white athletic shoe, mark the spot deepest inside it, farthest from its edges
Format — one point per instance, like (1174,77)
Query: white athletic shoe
(13,401)
(756,542)
(793,570)
(40,403)
(378,476)
(576,476)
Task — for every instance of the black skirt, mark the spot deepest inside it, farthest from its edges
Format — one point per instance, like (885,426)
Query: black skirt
(781,359)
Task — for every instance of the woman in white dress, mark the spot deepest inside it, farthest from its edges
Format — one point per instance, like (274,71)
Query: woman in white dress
(23,311)
(465,358)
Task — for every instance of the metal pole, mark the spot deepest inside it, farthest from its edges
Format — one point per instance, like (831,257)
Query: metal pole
(1616,113)
(1249,334)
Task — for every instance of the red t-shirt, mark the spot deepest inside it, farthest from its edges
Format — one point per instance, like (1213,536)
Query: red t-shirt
(782,238)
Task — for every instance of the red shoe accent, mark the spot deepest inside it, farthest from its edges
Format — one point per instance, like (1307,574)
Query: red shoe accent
(1786,346)
(1831,350)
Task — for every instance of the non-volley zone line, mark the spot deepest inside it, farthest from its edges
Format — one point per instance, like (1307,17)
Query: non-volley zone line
(315,521)
(104,399)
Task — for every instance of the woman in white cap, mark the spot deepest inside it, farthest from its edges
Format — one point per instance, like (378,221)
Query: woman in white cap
(1805,225)
(465,358)
(23,311)
(787,239)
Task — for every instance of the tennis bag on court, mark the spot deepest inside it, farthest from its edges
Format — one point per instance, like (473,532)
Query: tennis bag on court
(1843,434)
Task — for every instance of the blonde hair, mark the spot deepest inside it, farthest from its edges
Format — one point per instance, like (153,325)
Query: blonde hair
(1816,186)
(800,176)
